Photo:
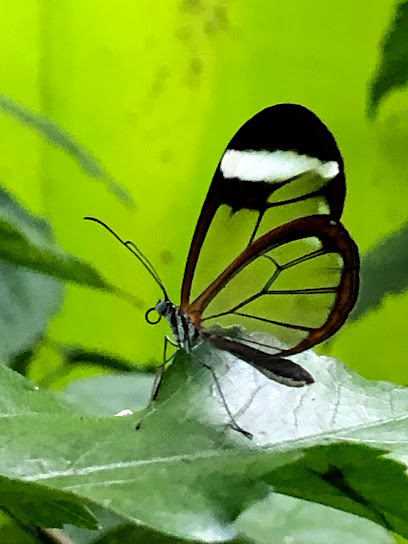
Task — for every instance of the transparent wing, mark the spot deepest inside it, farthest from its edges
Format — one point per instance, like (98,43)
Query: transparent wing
(297,282)
(281,165)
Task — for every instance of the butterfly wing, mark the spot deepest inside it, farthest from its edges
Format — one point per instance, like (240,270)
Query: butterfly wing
(275,368)
(298,282)
(282,164)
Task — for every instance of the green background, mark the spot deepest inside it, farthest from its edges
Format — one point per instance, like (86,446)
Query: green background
(155,90)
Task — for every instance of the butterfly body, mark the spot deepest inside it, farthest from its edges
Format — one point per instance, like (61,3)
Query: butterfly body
(184,330)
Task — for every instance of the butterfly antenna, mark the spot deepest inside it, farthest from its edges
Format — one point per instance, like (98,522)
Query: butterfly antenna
(137,253)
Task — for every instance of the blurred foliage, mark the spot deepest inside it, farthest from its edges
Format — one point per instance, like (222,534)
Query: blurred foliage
(392,71)
(60,138)
(384,272)
(27,241)
(144,98)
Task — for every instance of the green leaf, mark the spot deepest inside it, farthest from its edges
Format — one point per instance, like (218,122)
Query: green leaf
(392,72)
(59,137)
(109,394)
(115,529)
(27,241)
(28,300)
(21,360)
(383,272)
(34,506)
(280,518)
(30,503)
(188,474)
(13,533)
(74,355)
(130,534)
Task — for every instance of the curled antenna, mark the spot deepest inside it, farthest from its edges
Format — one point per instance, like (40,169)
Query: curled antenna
(137,253)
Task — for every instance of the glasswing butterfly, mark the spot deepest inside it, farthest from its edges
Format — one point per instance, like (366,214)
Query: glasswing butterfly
(268,251)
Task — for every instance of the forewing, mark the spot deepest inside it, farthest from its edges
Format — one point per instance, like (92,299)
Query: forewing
(298,282)
(282,164)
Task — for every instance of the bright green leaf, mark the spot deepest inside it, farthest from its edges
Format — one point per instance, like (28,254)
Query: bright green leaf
(13,533)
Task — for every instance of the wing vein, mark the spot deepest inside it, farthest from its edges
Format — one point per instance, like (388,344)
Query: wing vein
(311,291)
(305,258)
(280,323)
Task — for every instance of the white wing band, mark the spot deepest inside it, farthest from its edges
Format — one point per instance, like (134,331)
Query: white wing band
(273,167)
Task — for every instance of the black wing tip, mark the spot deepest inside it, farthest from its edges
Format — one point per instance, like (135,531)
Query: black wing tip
(309,379)
(274,367)
(293,374)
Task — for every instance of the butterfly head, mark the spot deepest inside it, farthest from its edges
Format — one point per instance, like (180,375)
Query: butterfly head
(163,309)
(180,323)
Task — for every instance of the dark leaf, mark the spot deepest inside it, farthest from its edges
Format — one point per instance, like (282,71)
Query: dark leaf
(392,72)
(74,355)
(384,271)
(27,241)
(21,361)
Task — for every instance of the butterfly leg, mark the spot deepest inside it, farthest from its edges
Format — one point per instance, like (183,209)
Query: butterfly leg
(234,425)
(158,378)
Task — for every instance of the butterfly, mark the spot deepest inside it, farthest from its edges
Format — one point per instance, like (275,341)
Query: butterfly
(269,252)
